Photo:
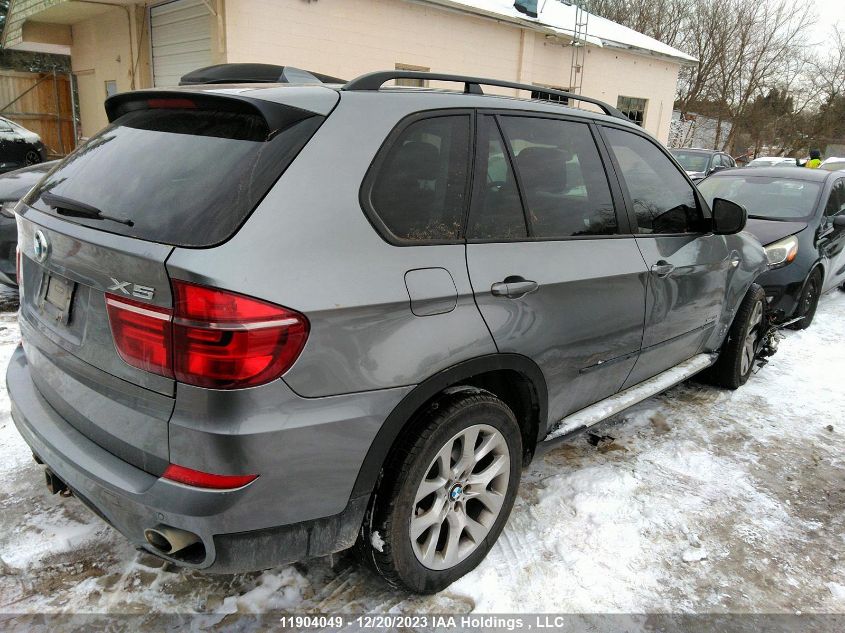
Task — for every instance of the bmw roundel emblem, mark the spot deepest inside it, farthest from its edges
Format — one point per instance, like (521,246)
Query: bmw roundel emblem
(41,246)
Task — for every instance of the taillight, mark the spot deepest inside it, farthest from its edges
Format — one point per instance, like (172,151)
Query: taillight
(199,479)
(142,334)
(212,338)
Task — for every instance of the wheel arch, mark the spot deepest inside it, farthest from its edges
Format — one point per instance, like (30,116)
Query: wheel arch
(514,378)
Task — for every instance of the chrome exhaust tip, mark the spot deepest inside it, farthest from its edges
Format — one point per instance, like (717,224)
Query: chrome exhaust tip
(170,540)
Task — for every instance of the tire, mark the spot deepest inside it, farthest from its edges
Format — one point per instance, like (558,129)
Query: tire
(733,367)
(809,301)
(408,491)
(32,157)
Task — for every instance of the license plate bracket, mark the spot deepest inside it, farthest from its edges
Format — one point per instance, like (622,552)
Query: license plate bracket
(56,297)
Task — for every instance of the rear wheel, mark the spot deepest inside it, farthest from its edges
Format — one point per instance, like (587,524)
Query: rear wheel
(809,301)
(736,360)
(445,498)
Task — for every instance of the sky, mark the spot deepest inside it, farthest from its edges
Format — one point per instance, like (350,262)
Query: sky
(829,12)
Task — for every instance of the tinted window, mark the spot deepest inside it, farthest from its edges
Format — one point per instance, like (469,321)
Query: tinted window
(497,210)
(664,202)
(564,186)
(183,177)
(836,202)
(419,191)
(763,196)
(727,161)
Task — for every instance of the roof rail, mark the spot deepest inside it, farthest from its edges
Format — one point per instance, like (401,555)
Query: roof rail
(472,85)
(254,73)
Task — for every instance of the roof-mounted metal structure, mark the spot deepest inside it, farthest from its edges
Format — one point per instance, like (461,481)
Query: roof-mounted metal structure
(472,85)
(254,73)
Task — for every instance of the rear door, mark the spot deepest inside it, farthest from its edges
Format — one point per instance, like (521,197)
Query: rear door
(688,266)
(556,274)
(97,232)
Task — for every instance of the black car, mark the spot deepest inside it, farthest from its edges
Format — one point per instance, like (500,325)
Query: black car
(19,147)
(799,217)
(700,163)
(13,187)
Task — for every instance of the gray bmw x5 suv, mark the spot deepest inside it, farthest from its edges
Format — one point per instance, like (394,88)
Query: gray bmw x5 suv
(264,322)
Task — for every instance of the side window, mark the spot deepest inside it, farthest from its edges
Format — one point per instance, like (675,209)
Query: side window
(564,185)
(419,190)
(664,202)
(496,208)
(836,202)
(727,161)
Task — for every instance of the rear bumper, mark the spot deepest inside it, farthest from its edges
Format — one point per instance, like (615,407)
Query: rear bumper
(132,500)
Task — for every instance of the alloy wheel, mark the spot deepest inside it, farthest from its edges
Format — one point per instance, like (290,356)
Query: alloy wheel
(460,497)
(749,348)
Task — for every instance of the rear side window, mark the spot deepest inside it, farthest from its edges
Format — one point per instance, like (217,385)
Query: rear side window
(419,187)
(664,202)
(183,177)
(564,185)
(496,207)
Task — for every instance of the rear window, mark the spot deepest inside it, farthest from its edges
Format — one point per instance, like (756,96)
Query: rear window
(179,176)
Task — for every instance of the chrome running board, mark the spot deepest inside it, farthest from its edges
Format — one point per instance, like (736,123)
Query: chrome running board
(603,409)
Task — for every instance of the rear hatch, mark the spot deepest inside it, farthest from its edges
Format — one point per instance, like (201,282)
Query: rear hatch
(172,169)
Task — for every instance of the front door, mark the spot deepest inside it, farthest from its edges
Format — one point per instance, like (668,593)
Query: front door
(556,274)
(688,266)
(832,238)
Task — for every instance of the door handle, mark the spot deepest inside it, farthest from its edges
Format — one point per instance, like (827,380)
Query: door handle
(513,287)
(662,268)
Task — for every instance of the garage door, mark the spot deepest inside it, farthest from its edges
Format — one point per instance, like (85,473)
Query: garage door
(181,39)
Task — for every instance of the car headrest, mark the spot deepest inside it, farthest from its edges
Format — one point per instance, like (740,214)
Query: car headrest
(543,168)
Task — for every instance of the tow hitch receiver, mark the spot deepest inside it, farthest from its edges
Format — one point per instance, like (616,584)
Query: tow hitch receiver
(56,485)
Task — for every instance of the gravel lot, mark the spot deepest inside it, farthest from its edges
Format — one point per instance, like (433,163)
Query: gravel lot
(699,500)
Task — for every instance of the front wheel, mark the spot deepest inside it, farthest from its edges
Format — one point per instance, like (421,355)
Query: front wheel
(736,360)
(809,301)
(445,498)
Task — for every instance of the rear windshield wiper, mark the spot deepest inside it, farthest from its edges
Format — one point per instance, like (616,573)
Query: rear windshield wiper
(76,209)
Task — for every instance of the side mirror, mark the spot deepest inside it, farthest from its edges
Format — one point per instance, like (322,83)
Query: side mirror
(716,168)
(728,217)
(839,221)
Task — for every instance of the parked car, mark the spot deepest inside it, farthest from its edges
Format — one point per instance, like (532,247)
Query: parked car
(834,163)
(268,323)
(700,163)
(14,186)
(773,161)
(19,147)
(799,216)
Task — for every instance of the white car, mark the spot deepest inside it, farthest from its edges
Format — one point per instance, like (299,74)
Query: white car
(772,161)
(833,163)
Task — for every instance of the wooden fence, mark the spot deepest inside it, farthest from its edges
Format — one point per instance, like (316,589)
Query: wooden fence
(43,103)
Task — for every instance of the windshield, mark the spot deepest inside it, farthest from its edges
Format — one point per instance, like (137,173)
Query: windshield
(765,197)
(834,166)
(692,161)
(180,177)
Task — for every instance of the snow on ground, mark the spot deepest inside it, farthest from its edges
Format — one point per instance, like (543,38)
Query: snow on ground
(698,500)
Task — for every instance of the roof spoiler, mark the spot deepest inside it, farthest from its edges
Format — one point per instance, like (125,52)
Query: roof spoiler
(277,117)
(472,85)
(254,73)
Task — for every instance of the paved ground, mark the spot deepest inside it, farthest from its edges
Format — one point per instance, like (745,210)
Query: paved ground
(699,500)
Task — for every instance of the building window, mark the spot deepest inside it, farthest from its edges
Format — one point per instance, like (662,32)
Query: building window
(111,88)
(536,94)
(412,83)
(633,108)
